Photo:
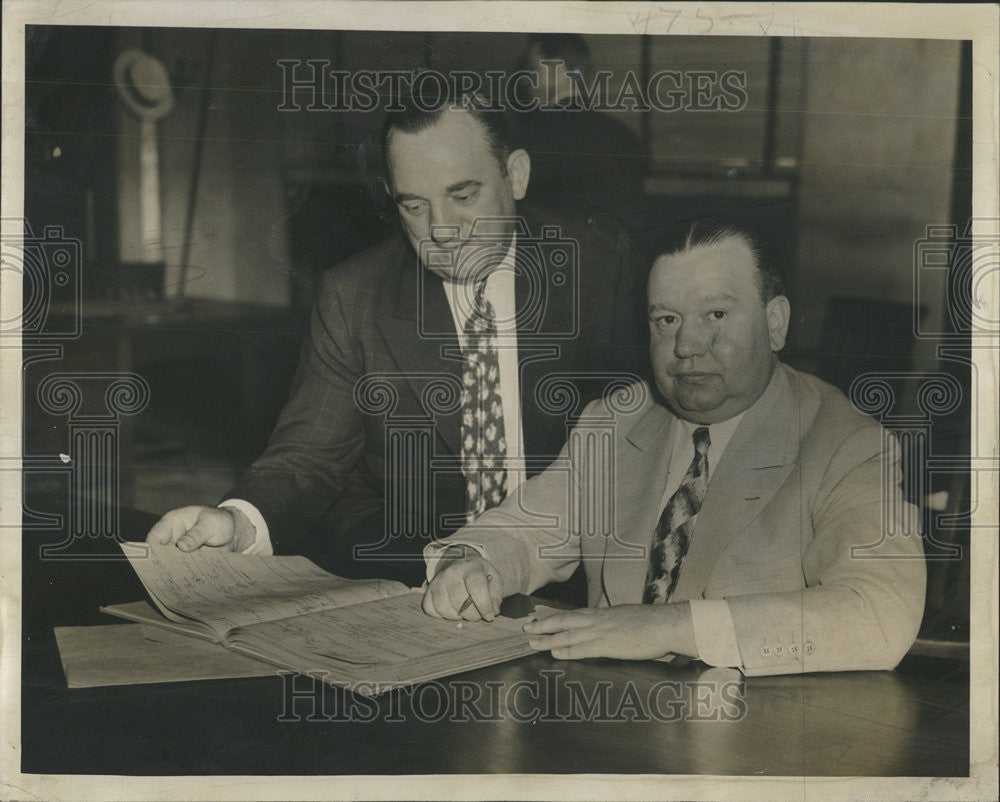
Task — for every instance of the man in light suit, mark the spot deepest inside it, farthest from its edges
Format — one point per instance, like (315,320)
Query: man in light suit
(753,518)
(369,458)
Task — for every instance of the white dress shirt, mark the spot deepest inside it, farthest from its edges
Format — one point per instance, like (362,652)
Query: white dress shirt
(500,293)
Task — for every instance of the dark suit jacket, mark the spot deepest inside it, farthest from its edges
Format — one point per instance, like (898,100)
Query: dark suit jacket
(365,454)
(582,160)
(803,529)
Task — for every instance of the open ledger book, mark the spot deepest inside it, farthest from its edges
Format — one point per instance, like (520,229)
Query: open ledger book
(367,635)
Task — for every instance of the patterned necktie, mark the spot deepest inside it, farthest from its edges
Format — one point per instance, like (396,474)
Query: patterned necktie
(484,446)
(676,525)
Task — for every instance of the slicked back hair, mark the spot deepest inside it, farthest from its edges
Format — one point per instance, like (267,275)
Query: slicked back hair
(712,232)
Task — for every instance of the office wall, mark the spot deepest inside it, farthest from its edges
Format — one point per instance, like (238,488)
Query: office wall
(867,124)
(238,247)
(877,157)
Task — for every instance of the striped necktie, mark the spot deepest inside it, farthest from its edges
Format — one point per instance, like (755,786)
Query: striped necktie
(676,525)
(484,446)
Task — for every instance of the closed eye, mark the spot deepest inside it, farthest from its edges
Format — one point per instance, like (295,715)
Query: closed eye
(467,196)
(413,207)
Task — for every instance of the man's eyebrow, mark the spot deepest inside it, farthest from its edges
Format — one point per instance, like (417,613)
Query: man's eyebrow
(708,300)
(405,197)
(458,187)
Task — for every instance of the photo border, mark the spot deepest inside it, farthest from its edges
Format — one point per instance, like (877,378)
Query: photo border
(975,22)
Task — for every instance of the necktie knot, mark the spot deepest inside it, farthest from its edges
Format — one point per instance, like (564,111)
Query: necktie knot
(481,319)
(480,293)
(701,440)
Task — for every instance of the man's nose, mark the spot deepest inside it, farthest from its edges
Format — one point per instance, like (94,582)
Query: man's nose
(443,230)
(690,340)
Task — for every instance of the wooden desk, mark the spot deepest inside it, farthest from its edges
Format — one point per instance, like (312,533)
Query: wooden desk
(647,717)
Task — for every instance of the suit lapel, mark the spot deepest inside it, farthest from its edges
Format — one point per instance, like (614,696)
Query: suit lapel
(756,463)
(418,329)
(644,464)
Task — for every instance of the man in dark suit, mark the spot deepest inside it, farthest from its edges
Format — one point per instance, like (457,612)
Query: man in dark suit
(441,367)
(583,161)
(753,519)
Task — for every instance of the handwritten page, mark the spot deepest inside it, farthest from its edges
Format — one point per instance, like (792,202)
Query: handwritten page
(368,635)
(386,643)
(225,590)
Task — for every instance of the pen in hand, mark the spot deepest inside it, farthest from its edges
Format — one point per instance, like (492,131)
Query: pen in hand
(468,602)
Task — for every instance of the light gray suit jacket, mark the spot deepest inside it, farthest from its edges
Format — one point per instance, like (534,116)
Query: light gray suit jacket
(803,529)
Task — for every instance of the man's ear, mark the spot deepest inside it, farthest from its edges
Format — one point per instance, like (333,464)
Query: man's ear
(778,312)
(518,172)
(385,186)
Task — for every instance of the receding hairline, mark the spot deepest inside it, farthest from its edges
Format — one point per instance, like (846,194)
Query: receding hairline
(431,120)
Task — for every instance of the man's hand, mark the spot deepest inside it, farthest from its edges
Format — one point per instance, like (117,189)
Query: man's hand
(190,528)
(465,586)
(625,632)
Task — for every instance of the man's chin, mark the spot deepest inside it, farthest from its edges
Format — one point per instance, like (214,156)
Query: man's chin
(695,407)
(470,263)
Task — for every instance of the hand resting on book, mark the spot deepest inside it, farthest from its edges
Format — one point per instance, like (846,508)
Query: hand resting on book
(190,528)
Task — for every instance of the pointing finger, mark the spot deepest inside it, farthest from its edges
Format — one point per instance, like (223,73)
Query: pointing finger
(428,603)
(445,592)
(477,584)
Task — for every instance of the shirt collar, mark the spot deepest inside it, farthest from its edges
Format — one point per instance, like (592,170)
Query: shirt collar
(719,433)
(461,296)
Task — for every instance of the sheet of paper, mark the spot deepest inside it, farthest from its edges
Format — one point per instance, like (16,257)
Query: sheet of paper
(226,590)
(120,654)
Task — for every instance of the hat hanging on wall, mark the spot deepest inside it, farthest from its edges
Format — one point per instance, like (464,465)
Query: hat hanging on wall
(143,84)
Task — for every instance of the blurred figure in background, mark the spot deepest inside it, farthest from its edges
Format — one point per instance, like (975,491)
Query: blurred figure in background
(582,161)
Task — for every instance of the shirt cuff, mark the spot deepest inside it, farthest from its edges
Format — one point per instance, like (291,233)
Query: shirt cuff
(262,537)
(715,633)
(433,552)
